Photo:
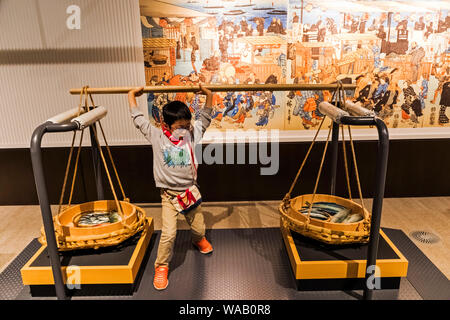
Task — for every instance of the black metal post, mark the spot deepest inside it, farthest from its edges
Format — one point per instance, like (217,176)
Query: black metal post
(41,189)
(96,162)
(382,160)
(381,169)
(334,156)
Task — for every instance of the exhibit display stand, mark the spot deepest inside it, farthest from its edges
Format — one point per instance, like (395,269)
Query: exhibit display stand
(342,256)
(99,253)
(344,260)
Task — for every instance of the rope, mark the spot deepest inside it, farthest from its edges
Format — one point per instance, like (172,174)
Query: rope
(112,161)
(303,224)
(119,207)
(109,152)
(304,160)
(318,177)
(79,147)
(67,173)
(346,164)
(63,189)
(288,195)
(356,169)
(75,169)
(343,97)
(67,242)
(83,93)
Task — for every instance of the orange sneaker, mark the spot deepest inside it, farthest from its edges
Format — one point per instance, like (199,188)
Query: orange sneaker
(160,281)
(204,246)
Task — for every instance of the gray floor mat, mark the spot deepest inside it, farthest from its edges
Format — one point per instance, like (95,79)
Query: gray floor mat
(247,264)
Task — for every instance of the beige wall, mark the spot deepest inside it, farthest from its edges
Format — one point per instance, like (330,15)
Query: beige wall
(41,59)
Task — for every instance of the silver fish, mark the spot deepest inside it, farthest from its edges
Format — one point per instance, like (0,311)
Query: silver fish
(95,218)
(315,214)
(353,218)
(339,217)
(328,204)
(331,208)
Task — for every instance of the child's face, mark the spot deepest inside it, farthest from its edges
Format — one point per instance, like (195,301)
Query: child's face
(180,124)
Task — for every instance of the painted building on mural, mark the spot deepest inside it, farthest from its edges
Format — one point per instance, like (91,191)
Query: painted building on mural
(396,52)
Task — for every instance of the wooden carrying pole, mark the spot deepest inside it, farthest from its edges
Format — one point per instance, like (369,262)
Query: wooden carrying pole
(219,88)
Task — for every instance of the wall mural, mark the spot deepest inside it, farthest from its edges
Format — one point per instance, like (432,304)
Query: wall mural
(396,52)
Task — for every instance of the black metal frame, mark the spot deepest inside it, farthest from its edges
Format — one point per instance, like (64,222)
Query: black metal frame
(38,171)
(380,180)
(41,189)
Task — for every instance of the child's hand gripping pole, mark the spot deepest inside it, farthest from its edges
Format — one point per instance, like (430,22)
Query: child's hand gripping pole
(132,94)
(208,95)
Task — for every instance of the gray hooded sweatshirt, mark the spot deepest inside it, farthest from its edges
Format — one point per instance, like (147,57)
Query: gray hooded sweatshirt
(172,164)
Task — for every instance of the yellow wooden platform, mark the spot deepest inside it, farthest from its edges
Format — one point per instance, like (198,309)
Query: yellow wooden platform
(95,274)
(342,269)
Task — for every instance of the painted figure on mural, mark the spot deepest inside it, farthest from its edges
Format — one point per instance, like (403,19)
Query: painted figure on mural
(398,61)
(444,104)
(417,54)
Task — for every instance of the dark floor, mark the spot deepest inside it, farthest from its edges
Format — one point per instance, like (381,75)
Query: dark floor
(247,264)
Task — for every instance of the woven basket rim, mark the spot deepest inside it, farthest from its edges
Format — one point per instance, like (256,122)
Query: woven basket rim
(324,224)
(110,227)
(67,242)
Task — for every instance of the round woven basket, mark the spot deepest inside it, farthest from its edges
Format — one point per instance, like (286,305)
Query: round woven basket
(70,237)
(324,231)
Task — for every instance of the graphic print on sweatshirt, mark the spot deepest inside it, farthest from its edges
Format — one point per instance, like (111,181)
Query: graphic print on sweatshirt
(175,156)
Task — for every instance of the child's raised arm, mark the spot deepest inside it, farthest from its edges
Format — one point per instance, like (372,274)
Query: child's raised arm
(132,94)
(139,120)
(208,94)
(204,114)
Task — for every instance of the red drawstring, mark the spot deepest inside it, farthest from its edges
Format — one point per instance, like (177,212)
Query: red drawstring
(190,199)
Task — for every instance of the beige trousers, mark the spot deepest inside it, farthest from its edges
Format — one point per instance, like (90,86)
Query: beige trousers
(169,227)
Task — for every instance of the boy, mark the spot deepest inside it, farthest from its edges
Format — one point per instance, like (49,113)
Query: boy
(174,171)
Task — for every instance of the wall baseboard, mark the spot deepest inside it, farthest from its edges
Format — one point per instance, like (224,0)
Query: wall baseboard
(417,168)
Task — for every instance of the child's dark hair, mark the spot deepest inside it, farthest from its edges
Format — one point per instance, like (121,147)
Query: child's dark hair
(175,110)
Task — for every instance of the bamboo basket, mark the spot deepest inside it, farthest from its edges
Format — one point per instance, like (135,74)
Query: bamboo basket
(70,237)
(325,231)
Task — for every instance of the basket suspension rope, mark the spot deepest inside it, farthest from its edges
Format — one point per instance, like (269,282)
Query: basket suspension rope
(110,154)
(342,91)
(78,151)
(119,207)
(61,199)
(76,168)
(327,231)
(347,176)
(304,160)
(71,242)
(343,96)
(356,170)
(338,91)
(342,99)
(288,195)
(318,177)
(112,162)
(86,106)
(340,96)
